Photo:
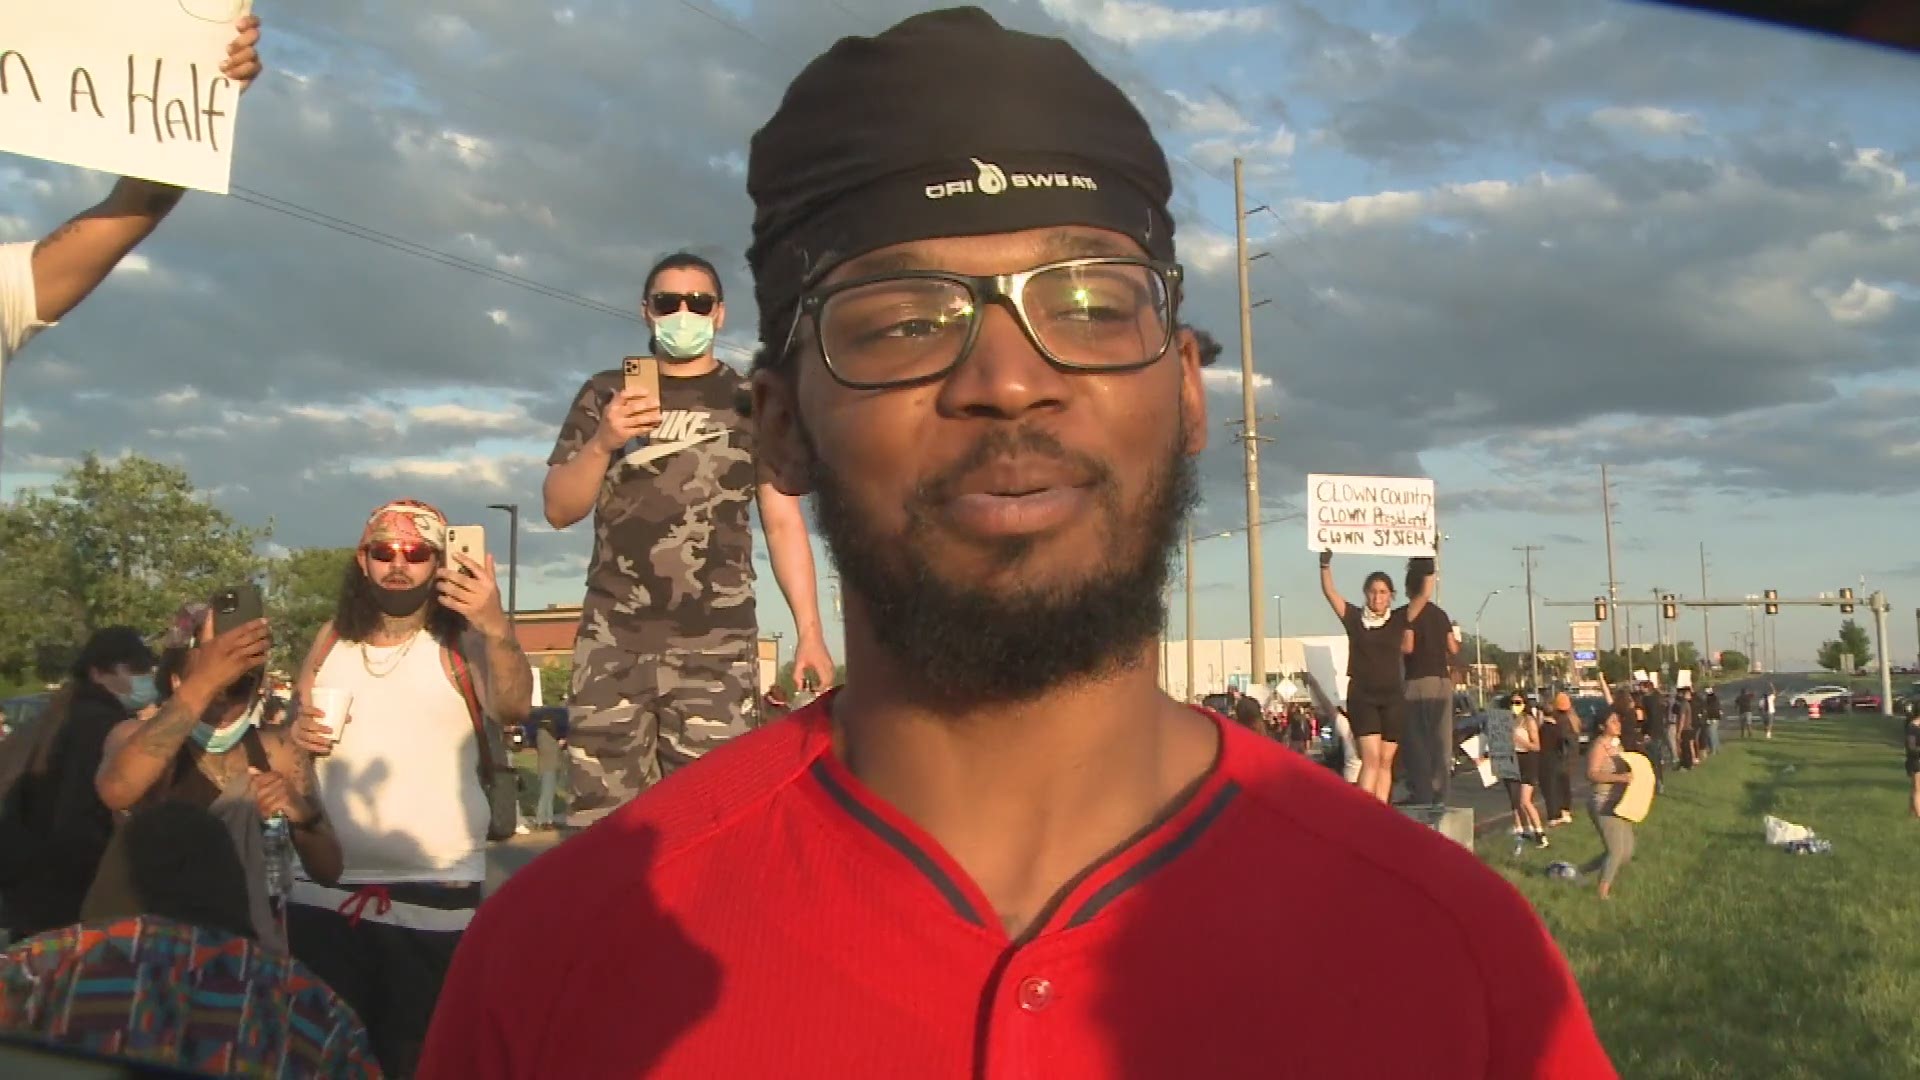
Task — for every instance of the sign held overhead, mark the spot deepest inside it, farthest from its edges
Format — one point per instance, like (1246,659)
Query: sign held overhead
(1371,515)
(124,86)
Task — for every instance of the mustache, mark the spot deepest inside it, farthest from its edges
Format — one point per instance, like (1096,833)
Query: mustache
(1001,443)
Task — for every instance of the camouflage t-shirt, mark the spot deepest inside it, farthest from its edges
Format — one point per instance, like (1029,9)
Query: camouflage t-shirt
(672,537)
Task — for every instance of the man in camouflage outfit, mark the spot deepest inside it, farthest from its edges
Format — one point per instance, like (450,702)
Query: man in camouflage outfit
(666,662)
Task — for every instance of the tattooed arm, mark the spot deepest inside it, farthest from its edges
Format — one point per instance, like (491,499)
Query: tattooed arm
(76,257)
(291,789)
(472,590)
(139,752)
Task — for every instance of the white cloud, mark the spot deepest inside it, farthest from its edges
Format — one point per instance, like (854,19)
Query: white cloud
(186,395)
(1878,166)
(1205,251)
(1228,378)
(1133,23)
(1361,211)
(451,415)
(1647,120)
(489,473)
(1858,302)
(1262,154)
(1211,114)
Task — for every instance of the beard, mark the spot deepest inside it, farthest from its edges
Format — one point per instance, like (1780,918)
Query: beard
(963,644)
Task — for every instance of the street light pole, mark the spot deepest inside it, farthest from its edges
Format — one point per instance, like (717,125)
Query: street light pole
(512,510)
(1479,659)
(1280,627)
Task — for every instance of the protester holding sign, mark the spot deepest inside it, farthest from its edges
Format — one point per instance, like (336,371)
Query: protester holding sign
(1378,637)
(41,282)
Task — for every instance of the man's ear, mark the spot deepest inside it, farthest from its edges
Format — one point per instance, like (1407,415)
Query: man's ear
(784,459)
(1193,391)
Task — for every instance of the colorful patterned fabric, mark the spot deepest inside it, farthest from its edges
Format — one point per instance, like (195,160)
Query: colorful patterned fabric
(406,521)
(154,990)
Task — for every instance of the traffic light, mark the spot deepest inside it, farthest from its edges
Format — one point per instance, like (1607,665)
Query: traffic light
(1668,609)
(1599,609)
(1846,601)
(1773,595)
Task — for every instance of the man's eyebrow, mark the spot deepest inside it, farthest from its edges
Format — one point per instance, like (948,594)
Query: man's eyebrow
(1060,245)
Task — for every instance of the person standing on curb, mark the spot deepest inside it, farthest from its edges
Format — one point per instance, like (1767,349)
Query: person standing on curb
(1426,755)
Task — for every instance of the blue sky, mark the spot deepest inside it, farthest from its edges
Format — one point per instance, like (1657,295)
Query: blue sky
(1511,239)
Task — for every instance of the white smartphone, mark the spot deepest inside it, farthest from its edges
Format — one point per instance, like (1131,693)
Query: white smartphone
(468,540)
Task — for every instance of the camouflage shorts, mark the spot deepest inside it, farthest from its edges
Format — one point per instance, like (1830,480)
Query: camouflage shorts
(635,718)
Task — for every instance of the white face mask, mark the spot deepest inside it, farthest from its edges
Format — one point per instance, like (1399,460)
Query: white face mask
(684,335)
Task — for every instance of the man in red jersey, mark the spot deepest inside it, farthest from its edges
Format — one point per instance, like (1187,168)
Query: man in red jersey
(999,849)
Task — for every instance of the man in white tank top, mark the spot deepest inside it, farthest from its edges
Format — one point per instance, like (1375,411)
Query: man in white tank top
(401,773)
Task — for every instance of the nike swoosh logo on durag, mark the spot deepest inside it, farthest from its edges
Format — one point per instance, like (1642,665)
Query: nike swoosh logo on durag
(642,455)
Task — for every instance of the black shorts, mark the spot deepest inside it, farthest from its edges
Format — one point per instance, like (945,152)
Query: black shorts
(1385,717)
(390,974)
(1529,763)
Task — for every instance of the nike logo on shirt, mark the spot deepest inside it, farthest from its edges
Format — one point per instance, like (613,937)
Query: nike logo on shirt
(679,429)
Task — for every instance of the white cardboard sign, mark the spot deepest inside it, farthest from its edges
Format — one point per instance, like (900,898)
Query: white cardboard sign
(131,87)
(1371,515)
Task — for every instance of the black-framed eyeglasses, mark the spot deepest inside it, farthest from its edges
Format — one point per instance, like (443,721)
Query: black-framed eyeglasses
(1107,313)
(666,303)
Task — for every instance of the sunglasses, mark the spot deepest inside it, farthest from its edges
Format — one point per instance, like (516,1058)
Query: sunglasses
(666,303)
(385,552)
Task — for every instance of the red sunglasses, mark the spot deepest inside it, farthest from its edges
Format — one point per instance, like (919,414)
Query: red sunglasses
(385,552)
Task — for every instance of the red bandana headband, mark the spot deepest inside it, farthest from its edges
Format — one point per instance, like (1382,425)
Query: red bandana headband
(406,521)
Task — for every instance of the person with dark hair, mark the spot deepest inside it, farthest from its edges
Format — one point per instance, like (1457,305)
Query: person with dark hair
(204,747)
(1559,745)
(1379,637)
(999,848)
(421,647)
(665,661)
(1912,733)
(1246,713)
(165,967)
(1426,746)
(54,827)
(1609,775)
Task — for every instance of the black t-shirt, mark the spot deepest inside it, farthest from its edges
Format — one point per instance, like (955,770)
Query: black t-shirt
(1655,725)
(1373,655)
(1429,656)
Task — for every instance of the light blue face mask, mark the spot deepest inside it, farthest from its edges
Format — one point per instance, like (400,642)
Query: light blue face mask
(220,740)
(142,694)
(684,335)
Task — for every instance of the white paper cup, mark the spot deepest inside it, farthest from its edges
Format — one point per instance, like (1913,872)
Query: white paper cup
(333,703)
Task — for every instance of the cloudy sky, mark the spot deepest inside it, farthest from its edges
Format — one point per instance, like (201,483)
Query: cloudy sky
(1510,240)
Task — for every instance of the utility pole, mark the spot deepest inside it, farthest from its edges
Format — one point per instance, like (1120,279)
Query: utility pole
(1659,633)
(1533,642)
(1878,602)
(1613,580)
(1250,434)
(1189,562)
(1706,626)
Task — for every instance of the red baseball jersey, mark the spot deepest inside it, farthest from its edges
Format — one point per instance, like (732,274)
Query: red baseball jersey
(761,913)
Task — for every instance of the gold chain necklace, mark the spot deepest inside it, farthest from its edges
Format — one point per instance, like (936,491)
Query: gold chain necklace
(399,658)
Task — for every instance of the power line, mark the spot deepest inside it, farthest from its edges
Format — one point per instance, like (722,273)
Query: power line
(455,262)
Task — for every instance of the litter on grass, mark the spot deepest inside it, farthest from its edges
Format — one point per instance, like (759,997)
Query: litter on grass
(1794,839)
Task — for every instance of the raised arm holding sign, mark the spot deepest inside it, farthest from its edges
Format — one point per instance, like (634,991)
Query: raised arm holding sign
(41,282)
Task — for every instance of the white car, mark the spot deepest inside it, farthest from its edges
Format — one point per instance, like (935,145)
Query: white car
(1817,696)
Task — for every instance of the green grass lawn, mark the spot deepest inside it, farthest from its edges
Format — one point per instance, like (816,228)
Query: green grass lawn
(1722,957)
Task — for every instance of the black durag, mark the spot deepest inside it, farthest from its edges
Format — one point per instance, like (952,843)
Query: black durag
(948,124)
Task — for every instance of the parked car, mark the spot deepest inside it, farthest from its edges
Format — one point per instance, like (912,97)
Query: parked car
(1816,696)
(24,710)
(1863,701)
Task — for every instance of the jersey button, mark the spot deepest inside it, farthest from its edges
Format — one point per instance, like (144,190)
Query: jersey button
(1035,994)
